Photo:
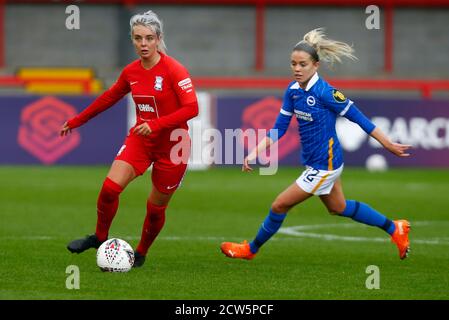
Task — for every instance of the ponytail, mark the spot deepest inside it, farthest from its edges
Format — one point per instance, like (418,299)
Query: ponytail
(320,47)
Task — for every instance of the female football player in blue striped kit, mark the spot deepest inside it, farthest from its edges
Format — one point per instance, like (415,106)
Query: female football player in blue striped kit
(316,106)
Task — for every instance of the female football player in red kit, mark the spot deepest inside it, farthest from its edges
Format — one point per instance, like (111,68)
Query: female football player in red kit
(165,100)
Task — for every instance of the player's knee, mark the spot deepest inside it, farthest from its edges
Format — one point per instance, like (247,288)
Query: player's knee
(336,209)
(279,206)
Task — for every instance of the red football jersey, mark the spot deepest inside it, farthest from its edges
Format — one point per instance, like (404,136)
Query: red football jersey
(164,96)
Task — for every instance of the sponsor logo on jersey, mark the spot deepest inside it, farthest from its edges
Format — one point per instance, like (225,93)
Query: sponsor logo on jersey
(185,84)
(338,96)
(303,115)
(311,101)
(158,83)
(145,107)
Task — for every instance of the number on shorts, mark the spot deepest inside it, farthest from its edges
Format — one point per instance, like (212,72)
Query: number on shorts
(311,174)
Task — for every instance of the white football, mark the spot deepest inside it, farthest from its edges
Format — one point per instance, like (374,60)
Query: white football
(376,163)
(115,255)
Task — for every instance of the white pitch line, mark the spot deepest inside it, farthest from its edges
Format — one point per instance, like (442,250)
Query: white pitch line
(296,232)
(328,237)
(28,238)
(334,237)
(169,238)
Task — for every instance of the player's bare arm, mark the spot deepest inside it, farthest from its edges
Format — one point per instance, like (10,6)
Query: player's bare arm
(264,144)
(397,149)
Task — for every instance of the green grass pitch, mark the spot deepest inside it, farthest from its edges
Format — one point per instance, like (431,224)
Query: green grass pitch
(326,257)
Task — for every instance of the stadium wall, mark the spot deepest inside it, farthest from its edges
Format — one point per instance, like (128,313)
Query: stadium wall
(219,40)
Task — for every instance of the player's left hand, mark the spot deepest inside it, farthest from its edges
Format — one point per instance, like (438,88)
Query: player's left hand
(399,149)
(142,129)
(65,130)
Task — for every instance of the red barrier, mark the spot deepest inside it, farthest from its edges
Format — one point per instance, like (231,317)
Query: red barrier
(426,87)
(11,81)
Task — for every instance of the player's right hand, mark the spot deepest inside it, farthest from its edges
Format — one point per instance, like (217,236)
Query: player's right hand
(65,130)
(245,166)
(399,149)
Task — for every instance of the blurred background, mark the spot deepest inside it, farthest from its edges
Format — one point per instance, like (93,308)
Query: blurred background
(56,58)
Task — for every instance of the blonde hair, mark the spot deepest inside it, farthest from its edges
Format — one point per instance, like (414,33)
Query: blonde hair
(326,49)
(150,20)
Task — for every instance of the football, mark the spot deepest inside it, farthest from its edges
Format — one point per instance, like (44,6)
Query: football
(376,163)
(115,255)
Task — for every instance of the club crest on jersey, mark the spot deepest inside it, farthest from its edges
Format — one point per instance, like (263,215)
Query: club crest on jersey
(338,96)
(311,101)
(158,83)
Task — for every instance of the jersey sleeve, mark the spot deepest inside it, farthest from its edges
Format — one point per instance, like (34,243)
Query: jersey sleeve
(183,85)
(119,89)
(287,104)
(338,103)
(283,119)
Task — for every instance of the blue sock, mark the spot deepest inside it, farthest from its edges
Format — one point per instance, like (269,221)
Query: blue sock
(363,213)
(270,226)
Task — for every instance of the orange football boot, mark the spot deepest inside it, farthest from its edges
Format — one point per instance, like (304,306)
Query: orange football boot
(237,250)
(400,237)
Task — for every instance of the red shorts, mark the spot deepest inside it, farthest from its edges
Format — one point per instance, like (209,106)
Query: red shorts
(166,175)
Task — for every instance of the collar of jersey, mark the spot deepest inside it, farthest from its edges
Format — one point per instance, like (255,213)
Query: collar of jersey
(159,62)
(312,81)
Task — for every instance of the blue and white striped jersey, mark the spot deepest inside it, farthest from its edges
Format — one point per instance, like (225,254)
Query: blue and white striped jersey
(316,109)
